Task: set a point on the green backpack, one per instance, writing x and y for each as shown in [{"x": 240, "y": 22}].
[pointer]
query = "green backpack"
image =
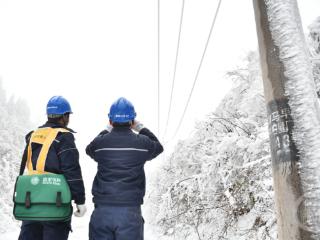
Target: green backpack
[{"x": 42, "y": 196}]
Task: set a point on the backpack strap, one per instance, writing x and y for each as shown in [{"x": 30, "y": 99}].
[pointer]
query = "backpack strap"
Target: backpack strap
[{"x": 45, "y": 137}]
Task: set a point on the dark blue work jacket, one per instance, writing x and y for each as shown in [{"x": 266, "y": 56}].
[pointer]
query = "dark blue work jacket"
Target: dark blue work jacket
[
  {"x": 121, "y": 155},
  {"x": 62, "y": 158}
]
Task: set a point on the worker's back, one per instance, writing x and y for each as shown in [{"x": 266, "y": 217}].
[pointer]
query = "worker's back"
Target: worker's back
[
  {"x": 121, "y": 155},
  {"x": 119, "y": 186}
]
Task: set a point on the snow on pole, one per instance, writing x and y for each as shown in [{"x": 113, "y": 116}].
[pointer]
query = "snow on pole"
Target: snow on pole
[{"x": 294, "y": 118}]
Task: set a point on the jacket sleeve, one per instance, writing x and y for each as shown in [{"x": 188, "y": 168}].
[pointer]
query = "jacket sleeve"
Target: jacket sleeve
[
  {"x": 25, "y": 153},
  {"x": 92, "y": 146},
  {"x": 90, "y": 149},
  {"x": 151, "y": 143},
  {"x": 69, "y": 164}
]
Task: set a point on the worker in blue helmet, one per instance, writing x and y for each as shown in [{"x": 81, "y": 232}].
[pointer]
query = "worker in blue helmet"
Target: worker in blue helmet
[
  {"x": 118, "y": 189},
  {"x": 62, "y": 158}
]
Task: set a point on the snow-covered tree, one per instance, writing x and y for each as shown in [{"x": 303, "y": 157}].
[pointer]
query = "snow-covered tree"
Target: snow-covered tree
[
  {"x": 315, "y": 35},
  {"x": 314, "y": 40},
  {"x": 218, "y": 184},
  {"x": 14, "y": 122}
]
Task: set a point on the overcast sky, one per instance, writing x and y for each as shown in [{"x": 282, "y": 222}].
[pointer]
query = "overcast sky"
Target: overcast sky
[{"x": 93, "y": 52}]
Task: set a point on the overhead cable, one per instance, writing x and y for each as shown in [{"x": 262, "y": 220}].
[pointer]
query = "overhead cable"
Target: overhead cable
[
  {"x": 175, "y": 69},
  {"x": 198, "y": 71}
]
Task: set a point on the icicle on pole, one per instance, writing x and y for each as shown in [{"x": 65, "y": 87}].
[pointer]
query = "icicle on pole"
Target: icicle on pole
[{"x": 294, "y": 118}]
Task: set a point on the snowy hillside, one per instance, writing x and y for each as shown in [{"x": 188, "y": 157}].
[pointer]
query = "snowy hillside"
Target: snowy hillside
[{"x": 14, "y": 122}]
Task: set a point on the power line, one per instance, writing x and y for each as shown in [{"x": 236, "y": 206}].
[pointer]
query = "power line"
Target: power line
[
  {"x": 175, "y": 69},
  {"x": 198, "y": 71}
]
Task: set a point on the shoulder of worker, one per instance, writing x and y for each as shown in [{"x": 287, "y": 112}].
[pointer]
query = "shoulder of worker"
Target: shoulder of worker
[
  {"x": 103, "y": 132},
  {"x": 28, "y": 136},
  {"x": 68, "y": 135},
  {"x": 101, "y": 135},
  {"x": 143, "y": 135}
]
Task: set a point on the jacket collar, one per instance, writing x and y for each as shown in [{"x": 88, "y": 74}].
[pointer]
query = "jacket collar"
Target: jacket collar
[
  {"x": 121, "y": 129},
  {"x": 55, "y": 125}
]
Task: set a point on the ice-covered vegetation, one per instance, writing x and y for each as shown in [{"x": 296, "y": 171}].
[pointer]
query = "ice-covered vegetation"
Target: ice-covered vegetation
[
  {"x": 218, "y": 183},
  {"x": 14, "y": 122},
  {"x": 314, "y": 40}
]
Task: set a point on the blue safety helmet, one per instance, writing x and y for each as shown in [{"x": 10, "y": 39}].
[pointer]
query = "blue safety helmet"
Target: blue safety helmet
[
  {"x": 122, "y": 111},
  {"x": 58, "y": 105}
]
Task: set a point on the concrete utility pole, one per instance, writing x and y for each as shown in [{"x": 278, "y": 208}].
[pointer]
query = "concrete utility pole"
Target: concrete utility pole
[{"x": 293, "y": 115}]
